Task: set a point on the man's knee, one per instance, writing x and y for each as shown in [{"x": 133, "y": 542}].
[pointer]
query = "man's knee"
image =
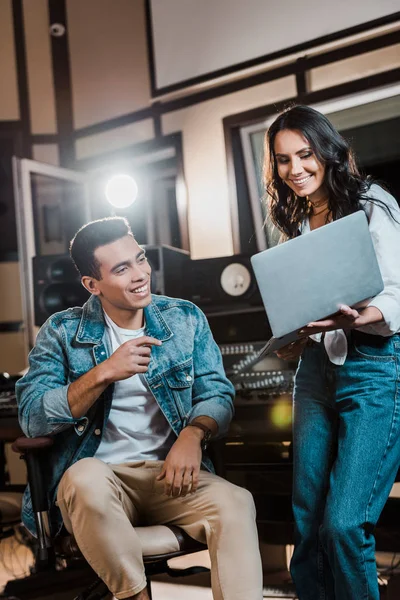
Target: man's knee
[
  {"x": 232, "y": 502},
  {"x": 242, "y": 500},
  {"x": 89, "y": 480}
]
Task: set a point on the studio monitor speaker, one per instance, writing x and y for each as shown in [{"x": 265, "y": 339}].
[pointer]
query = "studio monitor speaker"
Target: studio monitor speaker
[
  {"x": 57, "y": 284},
  {"x": 169, "y": 267},
  {"x": 225, "y": 283}
]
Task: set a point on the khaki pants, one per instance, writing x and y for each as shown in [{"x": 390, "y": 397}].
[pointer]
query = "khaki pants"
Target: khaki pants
[{"x": 100, "y": 503}]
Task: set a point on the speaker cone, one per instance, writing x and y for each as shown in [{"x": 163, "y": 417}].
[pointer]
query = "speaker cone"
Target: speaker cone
[{"x": 60, "y": 296}]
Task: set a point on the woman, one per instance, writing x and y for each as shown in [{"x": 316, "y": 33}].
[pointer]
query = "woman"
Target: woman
[{"x": 346, "y": 405}]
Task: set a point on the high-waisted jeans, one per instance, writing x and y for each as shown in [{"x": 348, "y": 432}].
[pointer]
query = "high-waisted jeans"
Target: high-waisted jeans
[{"x": 346, "y": 456}]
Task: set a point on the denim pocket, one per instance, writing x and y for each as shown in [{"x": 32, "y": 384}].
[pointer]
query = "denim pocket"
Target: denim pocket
[
  {"x": 180, "y": 383},
  {"x": 181, "y": 376},
  {"x": 373, "y": 347}
]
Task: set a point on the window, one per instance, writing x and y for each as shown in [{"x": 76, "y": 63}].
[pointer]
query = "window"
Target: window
[{"x": 371, "y": 123}]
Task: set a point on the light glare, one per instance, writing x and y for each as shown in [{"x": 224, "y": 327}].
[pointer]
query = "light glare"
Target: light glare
[{"x": 121, "y": 190}]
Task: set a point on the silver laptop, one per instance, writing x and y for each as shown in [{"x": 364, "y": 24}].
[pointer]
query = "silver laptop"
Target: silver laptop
[{"x": 309, "y": 277}]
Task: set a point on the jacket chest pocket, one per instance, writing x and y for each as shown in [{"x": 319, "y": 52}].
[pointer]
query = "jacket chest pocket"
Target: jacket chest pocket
[{"x": 180, "y": 384}]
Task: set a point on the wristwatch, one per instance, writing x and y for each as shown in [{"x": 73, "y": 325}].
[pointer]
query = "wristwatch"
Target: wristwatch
[{"x": 207, "y": 433}]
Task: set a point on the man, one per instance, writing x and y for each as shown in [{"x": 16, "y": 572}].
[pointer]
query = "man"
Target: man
[{"x": 130, "y": 386}]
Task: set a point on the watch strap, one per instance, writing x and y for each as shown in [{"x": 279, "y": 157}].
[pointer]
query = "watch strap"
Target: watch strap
[{"x": 207, "y": 433}]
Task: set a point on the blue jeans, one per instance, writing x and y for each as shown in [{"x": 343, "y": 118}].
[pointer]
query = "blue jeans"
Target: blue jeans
[{"x": 346, "y": 456}]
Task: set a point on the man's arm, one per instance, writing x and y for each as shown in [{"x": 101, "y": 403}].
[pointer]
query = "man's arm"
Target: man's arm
[
  {"x": 131, "y": 358},
  {"x": 212, "y": 391},
  {"x": 212, "y": 407},
  {"x": 47, "y": 403},
  {"x": 42, "y": 393}
]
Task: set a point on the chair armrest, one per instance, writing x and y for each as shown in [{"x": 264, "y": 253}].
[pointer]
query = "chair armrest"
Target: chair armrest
[
  {"x": 22, "y": 444},
  {"x": 32, "y": 450}
]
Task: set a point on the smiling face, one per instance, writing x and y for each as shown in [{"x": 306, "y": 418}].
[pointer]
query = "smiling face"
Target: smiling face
[
  {"x": 124, "y": 287},
  {"x": 298, "y": 166}
]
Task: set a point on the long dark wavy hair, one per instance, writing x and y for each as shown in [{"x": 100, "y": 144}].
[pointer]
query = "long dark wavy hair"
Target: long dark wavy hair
[{"x": 345, "y": 185}]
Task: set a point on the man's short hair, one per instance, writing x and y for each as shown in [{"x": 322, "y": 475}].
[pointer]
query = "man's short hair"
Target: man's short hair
[{"x": 90, "y": 237}]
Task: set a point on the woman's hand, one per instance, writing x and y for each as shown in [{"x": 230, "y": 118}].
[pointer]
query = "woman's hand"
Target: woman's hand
[
  {"x": 348, "y": 318},
  {"x": 292, "y": 351}
]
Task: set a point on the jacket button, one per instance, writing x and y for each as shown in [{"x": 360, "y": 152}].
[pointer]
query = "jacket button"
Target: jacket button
[
  {"x": 188, "y": 378},
  {"x": 97, "y": 431},
  {"x": 81, "y": 427}
]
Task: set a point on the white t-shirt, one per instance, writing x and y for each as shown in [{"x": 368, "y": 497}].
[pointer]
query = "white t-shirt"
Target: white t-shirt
[{"x": 136, "y": 428}]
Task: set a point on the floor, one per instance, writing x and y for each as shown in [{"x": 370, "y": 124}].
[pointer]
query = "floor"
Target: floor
[{"x": 16, "y": 558}]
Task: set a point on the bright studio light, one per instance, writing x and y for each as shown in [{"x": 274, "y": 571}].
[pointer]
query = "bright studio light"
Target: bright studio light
[{"x": 121, "y": 191}]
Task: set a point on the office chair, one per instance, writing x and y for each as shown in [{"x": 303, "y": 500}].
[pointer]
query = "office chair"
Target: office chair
[{"x": 160, "y": 543}]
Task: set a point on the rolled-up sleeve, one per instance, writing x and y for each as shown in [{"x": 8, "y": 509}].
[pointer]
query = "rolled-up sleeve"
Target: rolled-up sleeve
[
  {"x": 385, "y": 233},
  {"x": 42, "y": 393},
  {"x": 213, "y": 393}
]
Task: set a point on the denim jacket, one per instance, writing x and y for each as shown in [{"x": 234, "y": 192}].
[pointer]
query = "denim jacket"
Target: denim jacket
[{"x": 185, "y": 375}]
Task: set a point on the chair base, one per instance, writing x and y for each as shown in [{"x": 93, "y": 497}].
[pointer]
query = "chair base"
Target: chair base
[
  {"x": 79, "y": 576},
  {"x": 96, "y": 591},
  {"x": 99, "y": 591}
]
